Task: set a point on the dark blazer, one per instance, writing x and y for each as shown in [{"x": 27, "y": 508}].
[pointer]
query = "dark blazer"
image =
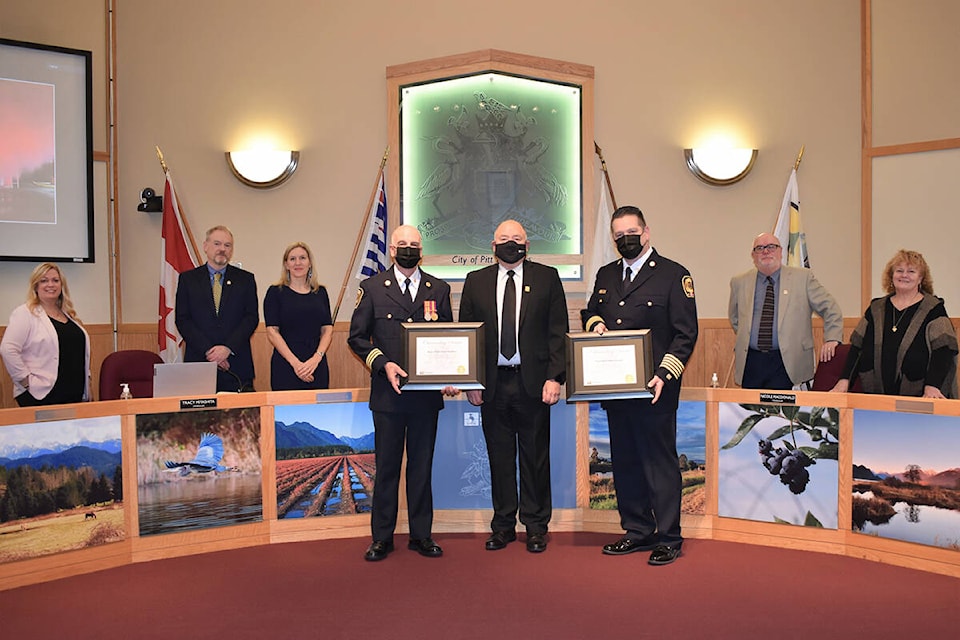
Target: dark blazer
[
  {"x": 543, "y": 324},
  {"x": 660, "y": 298},
  {"x": 201, "y": 327},
  {"x": 375, "y": 334}
]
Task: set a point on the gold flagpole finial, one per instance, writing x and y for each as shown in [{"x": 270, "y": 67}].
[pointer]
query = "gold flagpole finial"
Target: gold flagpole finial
[
  {"x": 163, "y": 165},
  {"x": 796, "y": 165}
]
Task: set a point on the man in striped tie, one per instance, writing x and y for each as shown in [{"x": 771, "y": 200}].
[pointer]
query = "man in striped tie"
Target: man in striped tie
[{"x": 771, "y": 308}]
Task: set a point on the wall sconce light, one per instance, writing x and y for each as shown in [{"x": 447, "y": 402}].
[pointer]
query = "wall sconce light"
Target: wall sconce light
[
  {"x": 720, "y": 166},
  {"x": 150, "y": 202},
  {"x": 262, "y": 168}
]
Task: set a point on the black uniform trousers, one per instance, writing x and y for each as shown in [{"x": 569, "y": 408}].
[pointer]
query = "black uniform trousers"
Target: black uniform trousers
[
  {"x": 514, "y": 422},
  {"x": 419, "y": 431},
  {"x": 646, "y": 470}
]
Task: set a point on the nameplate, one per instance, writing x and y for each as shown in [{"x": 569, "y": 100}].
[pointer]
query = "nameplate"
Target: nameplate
[
  {"x": 914, "y": 406},
  {"x": 326, "y": 397},
  {"x": 779, "y": 398},
  {"x": 46, "y": 415},
  {"x": 198, "y": 403}
]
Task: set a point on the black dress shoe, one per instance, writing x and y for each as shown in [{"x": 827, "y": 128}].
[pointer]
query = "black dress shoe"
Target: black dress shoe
[
  {"x": 500, "y": 539},
  {"x": 378, "y": 550},
  {"x": 625, "y": 545},
  {"x": 425, "y": 547},
  {"x": 536, "y": 542},
  {"x": 664, "y": 555}
]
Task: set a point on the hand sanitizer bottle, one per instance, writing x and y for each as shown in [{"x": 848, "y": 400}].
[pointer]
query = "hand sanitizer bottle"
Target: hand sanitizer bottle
[
  {"x": 714, "y": 381},
  {"x": 125, "y": 391}
]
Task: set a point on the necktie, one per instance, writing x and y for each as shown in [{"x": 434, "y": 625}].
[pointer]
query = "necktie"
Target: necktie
[
  {"x": 765, "y": 333},
  {"x": 627, "y": 277},
  {"x": 217, "y": 291},
  {"x": 508, "y": 318},
  {"x": 407, "y": 291}
]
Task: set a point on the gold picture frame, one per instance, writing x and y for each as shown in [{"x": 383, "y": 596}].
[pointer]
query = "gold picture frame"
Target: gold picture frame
[
  {"x": 441, "y": 354},
  {"x": 614, "y": 366}
]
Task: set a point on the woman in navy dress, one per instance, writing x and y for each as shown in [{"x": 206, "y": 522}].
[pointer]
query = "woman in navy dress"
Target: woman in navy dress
[{"x": 296, "y": 311}]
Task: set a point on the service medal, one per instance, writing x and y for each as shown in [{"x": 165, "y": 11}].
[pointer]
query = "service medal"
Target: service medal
[{"x": 430, "y": 310}]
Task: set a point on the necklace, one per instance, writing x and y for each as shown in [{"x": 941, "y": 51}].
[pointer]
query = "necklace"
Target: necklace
[{"x": 896, "y": 320}]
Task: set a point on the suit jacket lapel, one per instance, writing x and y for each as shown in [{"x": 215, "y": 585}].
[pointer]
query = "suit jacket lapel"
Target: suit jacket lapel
[
  {"x": 641, "y": 276},
  {"x": 225, "y": 286},
  {"x": 786, "y": 285},
  {"x": 395, "y": 292},
  {"x": 526, "y": 292}
]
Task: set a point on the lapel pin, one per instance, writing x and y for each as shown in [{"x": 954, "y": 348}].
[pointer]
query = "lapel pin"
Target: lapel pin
[
  {"x": 387, "y": 283},
  {"x": 526, "y": 288}
]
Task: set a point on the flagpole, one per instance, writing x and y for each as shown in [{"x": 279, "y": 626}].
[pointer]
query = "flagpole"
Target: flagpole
[
  {"x": 183, "y": 217},
  {"x": 796, "y": 165},
  {"x": 363, "y": 227},
  {"x": 606, "y": 174}
]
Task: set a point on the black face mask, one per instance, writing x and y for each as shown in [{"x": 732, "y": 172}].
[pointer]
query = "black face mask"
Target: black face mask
[
  {"x": 510, "y": 252},
  {"x": 629, "y": 246},
  {"x": 407, "y": 257}
]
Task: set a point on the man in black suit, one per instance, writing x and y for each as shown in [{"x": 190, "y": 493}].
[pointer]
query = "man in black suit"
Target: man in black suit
[
  {"x": 217, "y": 312},
  {"x": 402, "y": 293},
  {"x": 644, "y": 290},
  {"x": 524, "y": 312}
]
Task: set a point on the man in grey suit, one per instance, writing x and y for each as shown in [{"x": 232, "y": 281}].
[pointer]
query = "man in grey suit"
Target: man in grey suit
[{"x": 775, "y": 350}]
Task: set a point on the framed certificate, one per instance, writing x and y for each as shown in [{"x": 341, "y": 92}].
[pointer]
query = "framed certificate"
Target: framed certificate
[
  {"x": 614, "y": 366},
  {"x": 440, "y": 354}
]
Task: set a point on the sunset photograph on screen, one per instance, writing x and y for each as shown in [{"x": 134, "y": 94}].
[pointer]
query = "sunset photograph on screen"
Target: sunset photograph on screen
[{"x": 27, "y": 152}]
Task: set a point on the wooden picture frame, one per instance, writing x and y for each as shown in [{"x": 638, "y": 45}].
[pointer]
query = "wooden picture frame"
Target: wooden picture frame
[
  {"x": 441, "y": 354},
  {"x": 614, "y": 366}
]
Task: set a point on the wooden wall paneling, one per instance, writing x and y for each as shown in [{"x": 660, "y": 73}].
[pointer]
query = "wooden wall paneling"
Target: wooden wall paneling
[
  {"x": 268, "y": 462},
  {"x": 582, "y": 449}
]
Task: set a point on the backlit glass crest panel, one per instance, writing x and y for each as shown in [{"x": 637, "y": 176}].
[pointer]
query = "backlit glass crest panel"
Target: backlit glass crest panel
[{"x": 480, "y": 149}]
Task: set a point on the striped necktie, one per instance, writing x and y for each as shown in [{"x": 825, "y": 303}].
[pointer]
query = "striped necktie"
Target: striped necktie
[{"x": 765, "y": 333}]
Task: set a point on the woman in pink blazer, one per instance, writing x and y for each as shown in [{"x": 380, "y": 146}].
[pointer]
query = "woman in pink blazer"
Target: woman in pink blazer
[{"x": 45, "y": 348}]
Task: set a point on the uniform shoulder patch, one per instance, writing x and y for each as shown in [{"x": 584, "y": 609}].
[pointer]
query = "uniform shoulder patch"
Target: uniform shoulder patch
[
  {"x": 359, "y": 297},
  {"x": 688, "y": 286}
]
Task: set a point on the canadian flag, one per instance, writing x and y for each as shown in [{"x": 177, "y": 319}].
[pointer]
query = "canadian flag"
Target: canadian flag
[{"x": 176, "y": 257}]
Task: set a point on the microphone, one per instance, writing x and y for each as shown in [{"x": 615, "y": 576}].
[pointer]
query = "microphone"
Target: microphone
[{"x": 241, "y": 387}]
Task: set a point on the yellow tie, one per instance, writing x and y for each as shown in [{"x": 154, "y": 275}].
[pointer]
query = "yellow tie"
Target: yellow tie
[{"x": 217, "y": 291}]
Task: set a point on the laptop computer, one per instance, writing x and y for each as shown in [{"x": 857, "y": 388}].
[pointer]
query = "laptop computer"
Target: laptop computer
[{"x": 185, "y": 379}]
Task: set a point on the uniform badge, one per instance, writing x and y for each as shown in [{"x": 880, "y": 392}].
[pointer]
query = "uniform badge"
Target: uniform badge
[
  {"x": 359, "y": 297},
  {"x": 430, "y": 310},
  {"x": 688, "y": 286}
]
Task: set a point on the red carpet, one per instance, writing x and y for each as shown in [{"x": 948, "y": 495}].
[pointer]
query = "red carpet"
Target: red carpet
[{"x": 325, "y": 589}]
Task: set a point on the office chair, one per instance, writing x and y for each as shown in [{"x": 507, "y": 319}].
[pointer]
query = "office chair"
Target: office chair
[{"x": 134, "y": 367}]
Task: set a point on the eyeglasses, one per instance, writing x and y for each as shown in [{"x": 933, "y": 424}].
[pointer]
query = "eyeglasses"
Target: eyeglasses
[{"x": 763, "y": 248}]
